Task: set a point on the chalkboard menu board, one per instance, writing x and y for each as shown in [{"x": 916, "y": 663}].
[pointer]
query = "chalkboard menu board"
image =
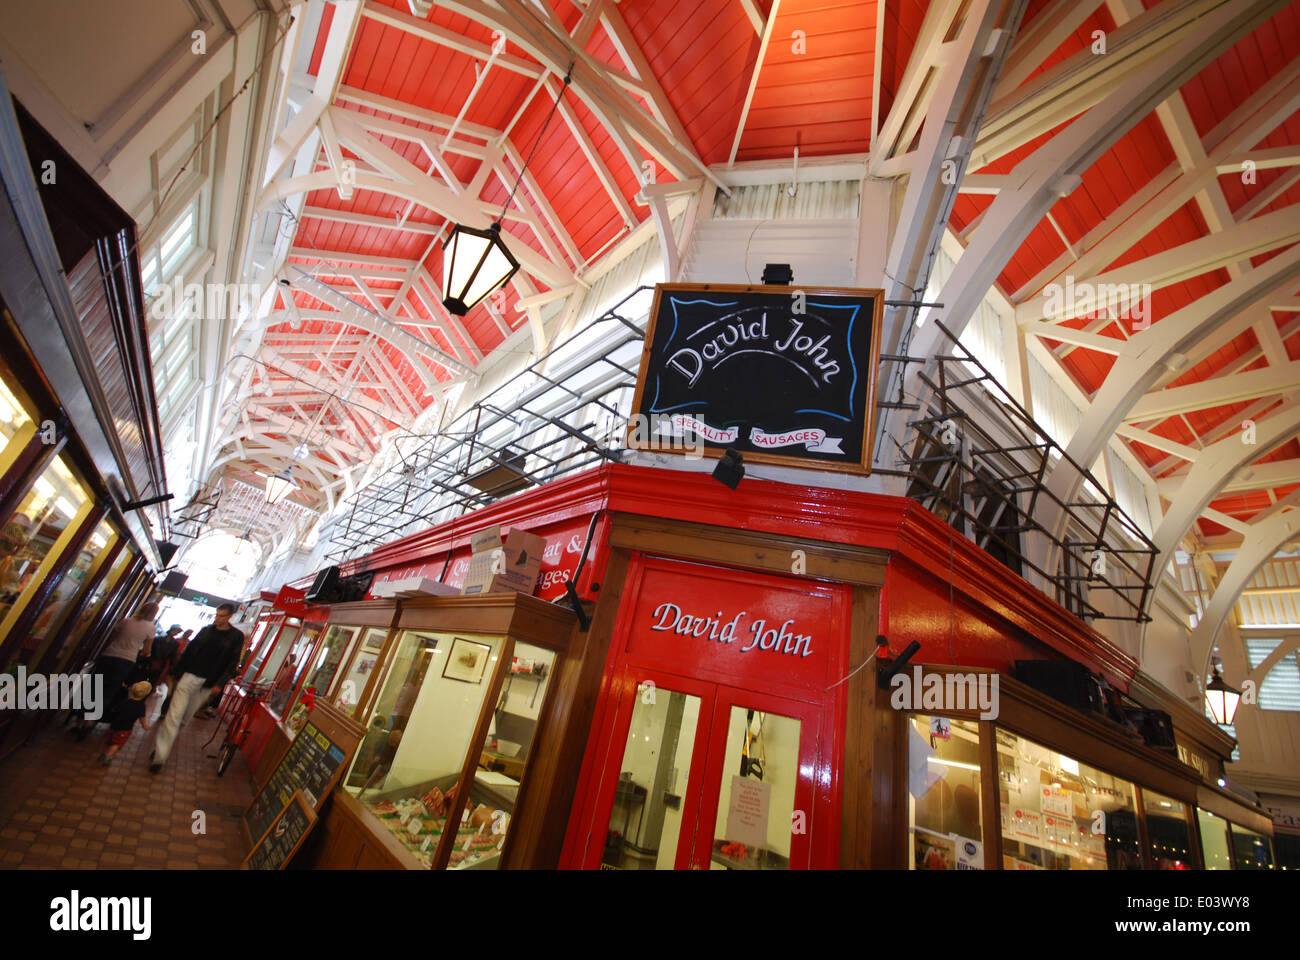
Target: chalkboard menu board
[
  {"x": 283, "y": 835},
  {"x": 780, "y": 374},
  {"x": 312, "y": 764}
]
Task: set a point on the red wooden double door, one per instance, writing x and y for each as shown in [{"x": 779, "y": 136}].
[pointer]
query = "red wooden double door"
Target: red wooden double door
[{"x": 716, "y": 733}]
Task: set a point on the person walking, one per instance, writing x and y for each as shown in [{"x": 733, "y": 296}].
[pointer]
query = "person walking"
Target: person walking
[
  {"x": 166, "y": 651},
  {"x": 130, "y": 638},
  {"x": 207, "y": 663},
  {"x": 124, "y": 718}
]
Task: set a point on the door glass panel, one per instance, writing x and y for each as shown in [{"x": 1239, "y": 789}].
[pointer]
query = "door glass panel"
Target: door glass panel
[
  {"x": 322, "y": 673},
  {"x": 295, "y": 664},
  {"x": 646, "y": 820},
  {"x": 1251, "y": 848},
  {"x": 943, "y": 798},
  {"x": 756, "y": 796},
  {"x": 281, "y": 649},
  {"x": 1214, "y": 841},
  {"x": 1171, "y": 842},
  {"x": 363, "y": 661},
  {"x": 504, "y": 753}
]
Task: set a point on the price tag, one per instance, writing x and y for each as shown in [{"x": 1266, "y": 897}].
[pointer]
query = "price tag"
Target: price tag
[
  {"x": 424, "y": 847},
  {"x": 468, "y": 841},
  {"x": 414, "y": 827}
]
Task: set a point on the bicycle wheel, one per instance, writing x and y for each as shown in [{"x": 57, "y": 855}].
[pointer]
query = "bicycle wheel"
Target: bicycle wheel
[{"x": 227, "y": 754}]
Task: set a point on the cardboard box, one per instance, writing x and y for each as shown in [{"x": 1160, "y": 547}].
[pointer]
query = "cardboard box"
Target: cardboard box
[
  {"x": 412, "y": 587},
  {"x": 496, "y": 566}
]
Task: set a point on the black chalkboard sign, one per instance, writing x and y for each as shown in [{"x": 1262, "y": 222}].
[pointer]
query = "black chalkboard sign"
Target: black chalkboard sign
[
  {"x": 781, "y": 374},
  {"x": 283, "y": 837},
  {"x": 310, "y": 765}
]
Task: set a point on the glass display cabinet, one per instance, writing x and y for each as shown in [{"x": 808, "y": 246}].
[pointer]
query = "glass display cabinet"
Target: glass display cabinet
[
  {"x": 293, "y": 667},
  {"x": 455, "y": 705}
]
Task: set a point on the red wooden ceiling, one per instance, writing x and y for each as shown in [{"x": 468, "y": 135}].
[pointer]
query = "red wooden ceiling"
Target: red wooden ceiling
[{"x": 815, "y": 92}]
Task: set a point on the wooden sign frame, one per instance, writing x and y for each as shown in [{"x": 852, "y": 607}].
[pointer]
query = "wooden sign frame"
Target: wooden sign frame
[
  {"x": 872, "y": 370},
  {"x": 296, "y": 800},
  {"x": 341, "y": 730}
]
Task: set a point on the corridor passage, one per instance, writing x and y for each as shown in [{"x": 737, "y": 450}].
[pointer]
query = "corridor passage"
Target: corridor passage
[{"x": 61, "y": 809}]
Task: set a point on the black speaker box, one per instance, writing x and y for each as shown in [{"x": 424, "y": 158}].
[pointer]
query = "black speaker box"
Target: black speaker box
[
  {"x": 1071, "y": 683},
  {"x": 1157, "y": 729},
  {"x": 323, "y": 585}
]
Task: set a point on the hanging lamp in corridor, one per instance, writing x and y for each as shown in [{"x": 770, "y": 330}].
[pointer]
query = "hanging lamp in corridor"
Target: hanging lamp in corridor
[{"x": 476, "y": 262}]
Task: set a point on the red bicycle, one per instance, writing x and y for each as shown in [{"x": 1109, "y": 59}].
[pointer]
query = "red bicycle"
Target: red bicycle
[{"x": 237, "y": 708}]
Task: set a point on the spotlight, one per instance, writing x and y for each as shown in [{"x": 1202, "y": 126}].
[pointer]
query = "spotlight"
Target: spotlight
[{"x": 730, "y": 469}]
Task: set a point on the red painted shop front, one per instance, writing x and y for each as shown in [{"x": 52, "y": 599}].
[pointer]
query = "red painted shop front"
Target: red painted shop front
[{"x": 716, "y": 731}]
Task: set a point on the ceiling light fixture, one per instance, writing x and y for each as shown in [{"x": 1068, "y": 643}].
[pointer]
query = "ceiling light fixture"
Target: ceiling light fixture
[
  {"x": 1221, "y": 699},
  {"x": 280, "y": 485},
  {"x": 476, "y": 262}
]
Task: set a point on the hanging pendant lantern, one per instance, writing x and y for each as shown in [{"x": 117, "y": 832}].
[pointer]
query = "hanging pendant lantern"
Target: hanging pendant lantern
[
  {"x": 474, "y": 263},
  {"x": 280, "y": 485},
  {"x": 1221, "y": 699}
]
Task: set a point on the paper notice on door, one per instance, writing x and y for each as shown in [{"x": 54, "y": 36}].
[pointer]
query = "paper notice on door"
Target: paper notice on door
[{"x": 747, "y": 814}]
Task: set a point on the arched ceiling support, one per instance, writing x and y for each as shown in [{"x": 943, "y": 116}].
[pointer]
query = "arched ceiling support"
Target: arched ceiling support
[
  {"x": 1157, "y": 353},
  {"x": 1055, "y": 169},
  {"x": 1211, "y": 472},
  {"x": 1175, "y": 187},
  {"x": 1026, "y": 111},
  {"x": 342, "y": 28},
  {"x": 1265, "y": 539},
  {"x": 953, "y": 111},
  {"x": 592, "y": 82}
]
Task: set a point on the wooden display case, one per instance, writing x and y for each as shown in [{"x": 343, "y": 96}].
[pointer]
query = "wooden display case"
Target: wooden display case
[{"x": 442, "y": 656}]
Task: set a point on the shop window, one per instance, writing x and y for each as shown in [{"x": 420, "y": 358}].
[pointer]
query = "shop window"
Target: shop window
[
  {"x": 944, "y": 826},
  {"x": 275, "y": 655},
  {"x": 1171, "y": 842},
  {"x": 1059, "y": 814},
  {"x": 52, "y": 615},
  {"x": 1251, "y": 850},
  {"x": 503, "y": 754},
  {"x": 363, "y": 662},
  {"x": 1214, "y": 841},
  {"x": 1287, "y": 848},
  {"x": 321, "y": 674},
  {"x": 418, "y": 734},
  {"x": 293, "y": 667},
  {"x": 13, "y": 416},
  {"x": 91, "y": 611},
  {"x": 641, "y": 834},
  {"x": 44, "y": 513}
]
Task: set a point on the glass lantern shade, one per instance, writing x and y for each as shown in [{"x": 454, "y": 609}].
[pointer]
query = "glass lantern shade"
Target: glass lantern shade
[
  {"x": 474, "y": 263},
  {"x": 280, "y": 486},
  {"x": 1221, "y": 700}
]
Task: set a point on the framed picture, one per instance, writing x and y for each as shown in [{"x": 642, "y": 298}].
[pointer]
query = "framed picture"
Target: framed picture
[
  {"x": 467, "y": 661},
  {"x": 374, "y": 640}
]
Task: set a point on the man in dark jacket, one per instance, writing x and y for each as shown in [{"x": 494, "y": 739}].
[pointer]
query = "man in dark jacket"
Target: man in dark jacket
[{"x": 207, "y": 663}]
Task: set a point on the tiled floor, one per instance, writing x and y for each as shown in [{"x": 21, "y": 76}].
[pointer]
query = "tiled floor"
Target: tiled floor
[{"x": 59, "y": 808}]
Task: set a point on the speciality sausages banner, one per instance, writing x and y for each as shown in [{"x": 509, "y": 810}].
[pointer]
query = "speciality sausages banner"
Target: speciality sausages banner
[{"x": 781, "y": 374}]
